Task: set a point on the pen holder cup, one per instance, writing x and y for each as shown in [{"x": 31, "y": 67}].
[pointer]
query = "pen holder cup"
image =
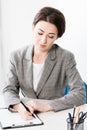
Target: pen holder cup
[{"x": 74, "y": 126}]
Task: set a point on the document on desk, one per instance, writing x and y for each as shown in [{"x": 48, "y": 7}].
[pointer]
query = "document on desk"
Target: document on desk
[{"x": 13, "y": 120}]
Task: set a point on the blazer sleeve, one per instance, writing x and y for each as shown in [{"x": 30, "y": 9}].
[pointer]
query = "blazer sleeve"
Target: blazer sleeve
[
  {"x": 77, "y": 94},
  {"x": 11, "y": 89}
]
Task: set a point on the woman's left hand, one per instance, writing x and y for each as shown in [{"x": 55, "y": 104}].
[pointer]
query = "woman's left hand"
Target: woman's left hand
[{"x": 39, "y": 106}]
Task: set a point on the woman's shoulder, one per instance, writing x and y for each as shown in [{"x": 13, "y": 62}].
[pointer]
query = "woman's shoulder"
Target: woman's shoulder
[
  {"x": 22, "y": 51},
  {"x": 62, "y": 50},
  {"x": 63, "y": 53}
]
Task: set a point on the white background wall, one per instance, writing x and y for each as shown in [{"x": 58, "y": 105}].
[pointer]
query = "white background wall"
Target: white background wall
[
  {"x": 1, "y": 71},
  {"x": 17, "y": 17}
]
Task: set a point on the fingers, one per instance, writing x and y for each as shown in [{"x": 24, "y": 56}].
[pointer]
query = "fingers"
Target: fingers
[
  {"x": 24, "y": 113},
  {"x": 31, "y": 109},
  {"x": 32, "y": 105}
]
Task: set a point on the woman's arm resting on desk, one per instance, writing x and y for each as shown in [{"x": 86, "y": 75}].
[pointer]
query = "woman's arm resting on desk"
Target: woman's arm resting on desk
[{"x": 39, "y": 106}]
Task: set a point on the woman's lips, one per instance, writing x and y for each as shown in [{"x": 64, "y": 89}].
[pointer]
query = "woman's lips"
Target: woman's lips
[{"x": 42, "y": 46}]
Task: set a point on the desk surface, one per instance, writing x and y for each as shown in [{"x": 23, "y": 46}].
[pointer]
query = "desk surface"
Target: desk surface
[{"x": 54, "y": 120}]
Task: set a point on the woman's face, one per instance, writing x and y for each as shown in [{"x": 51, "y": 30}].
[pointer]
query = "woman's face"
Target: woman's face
[{"x": 44, "y": 36}]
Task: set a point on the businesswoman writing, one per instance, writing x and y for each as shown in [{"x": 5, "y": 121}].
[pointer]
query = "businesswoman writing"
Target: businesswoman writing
[{"x": 42, "y": 70}]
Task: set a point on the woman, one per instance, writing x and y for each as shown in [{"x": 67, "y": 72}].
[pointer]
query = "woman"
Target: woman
[{"x": 43, "y": 69}]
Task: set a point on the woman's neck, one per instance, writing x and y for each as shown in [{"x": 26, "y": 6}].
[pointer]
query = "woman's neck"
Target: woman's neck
[{"x": 39, "y": 57}]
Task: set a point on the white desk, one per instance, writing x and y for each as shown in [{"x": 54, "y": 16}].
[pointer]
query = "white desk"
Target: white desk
[{"x": 54, "y": 120}]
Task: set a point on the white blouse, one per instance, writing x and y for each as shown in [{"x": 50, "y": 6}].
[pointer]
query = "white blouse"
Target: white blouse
[{"x": 37, "y": 72}]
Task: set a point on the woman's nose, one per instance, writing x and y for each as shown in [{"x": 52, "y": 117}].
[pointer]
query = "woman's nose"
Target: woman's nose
[{"x": 44, "y": 39}]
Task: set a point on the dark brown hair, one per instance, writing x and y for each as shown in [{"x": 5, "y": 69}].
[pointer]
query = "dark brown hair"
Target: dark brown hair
[{"x": 52, "y": 15}]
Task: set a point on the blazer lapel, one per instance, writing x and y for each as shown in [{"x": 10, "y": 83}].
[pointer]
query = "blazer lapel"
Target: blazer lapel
[
  {"x": 49, "y": 64},
  {"x": 28, "y": 68},
  {"x": 28, "y": 72}
]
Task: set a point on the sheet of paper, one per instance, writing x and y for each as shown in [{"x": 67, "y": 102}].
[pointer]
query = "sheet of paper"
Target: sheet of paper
[{"x": 13, "y": 119}]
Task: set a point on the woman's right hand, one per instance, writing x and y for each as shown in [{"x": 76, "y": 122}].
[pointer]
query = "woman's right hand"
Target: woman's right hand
[{"x": 22, "y": 111}]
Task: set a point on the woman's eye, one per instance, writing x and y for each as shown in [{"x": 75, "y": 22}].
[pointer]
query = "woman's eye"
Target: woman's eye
[
  {"x": 51, "y": 37},
  {"x": 40, "y": 33}
]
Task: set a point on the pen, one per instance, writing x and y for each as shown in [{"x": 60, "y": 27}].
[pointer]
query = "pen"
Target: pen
[
  {"x": 76, "y": 116},
  {"x": 71, "y": 121},
  {"x": 27, "y": 108},
  {"x": 74, "y": 111},
  {"x": 70, "y": 117},
  {"x": 82, "y": 116}
]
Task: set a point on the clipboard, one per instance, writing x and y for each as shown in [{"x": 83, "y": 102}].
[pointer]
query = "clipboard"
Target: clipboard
[{"x": 13, "y": 120}]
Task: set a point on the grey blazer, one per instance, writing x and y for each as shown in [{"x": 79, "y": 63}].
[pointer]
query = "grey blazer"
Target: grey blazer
[{"x": 59, "y": 71}]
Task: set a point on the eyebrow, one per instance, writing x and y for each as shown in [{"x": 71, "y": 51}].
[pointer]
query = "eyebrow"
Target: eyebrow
[{"x": 49, "y": 33}]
